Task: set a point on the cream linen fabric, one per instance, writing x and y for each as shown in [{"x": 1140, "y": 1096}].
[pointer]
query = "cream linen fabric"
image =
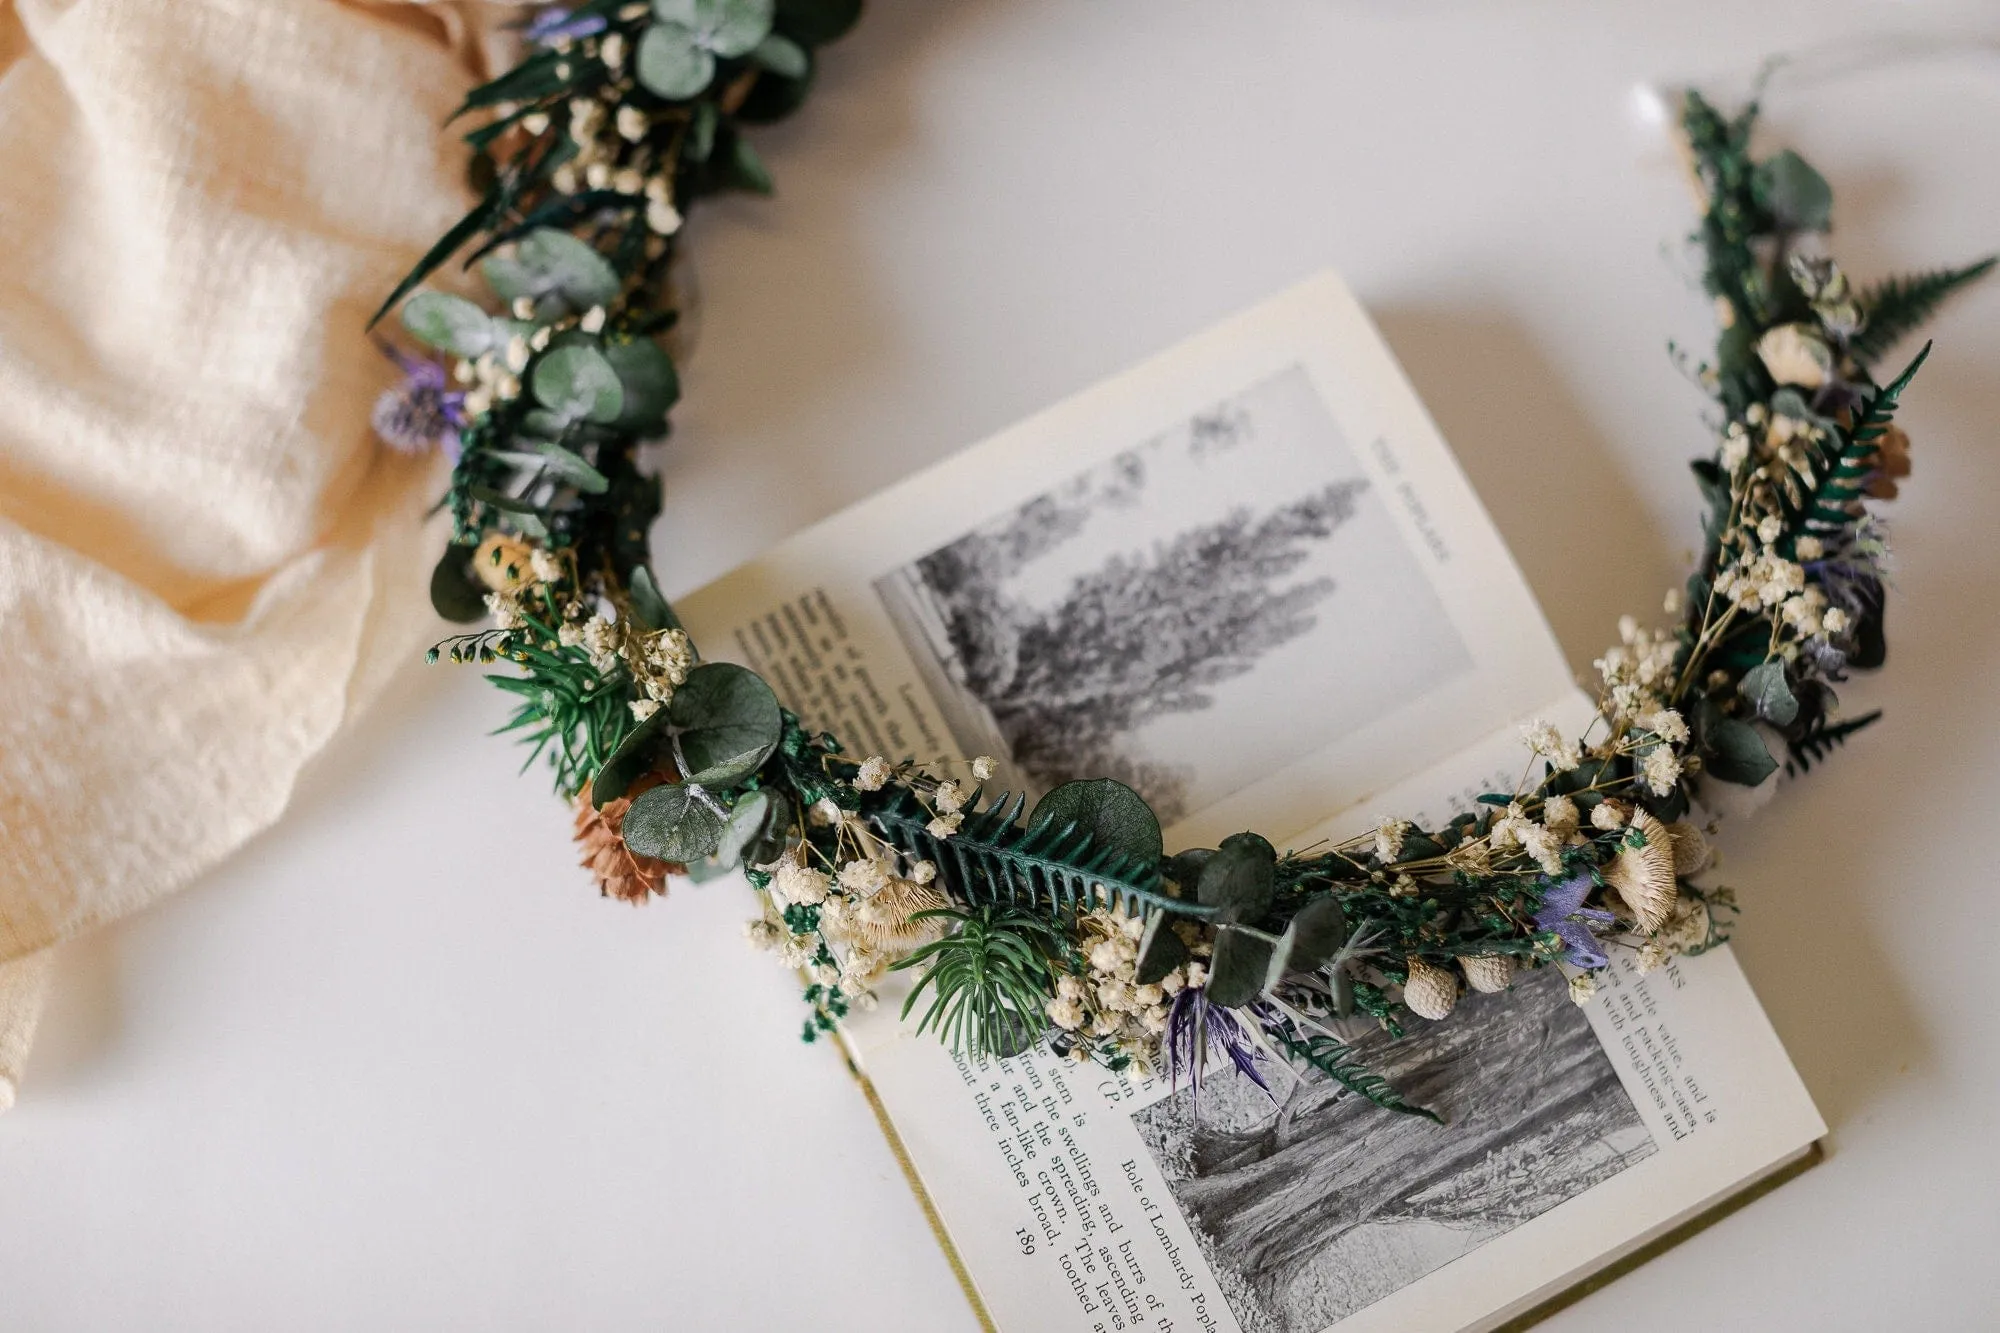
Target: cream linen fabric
[{"x": 207, "y": 564}]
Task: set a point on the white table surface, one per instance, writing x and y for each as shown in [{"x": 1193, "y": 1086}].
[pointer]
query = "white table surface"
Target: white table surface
[{"x": 397, "y": 1067}]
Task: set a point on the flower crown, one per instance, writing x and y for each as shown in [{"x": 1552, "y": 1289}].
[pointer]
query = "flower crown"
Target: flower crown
[{"x": 1067, "y": 923}]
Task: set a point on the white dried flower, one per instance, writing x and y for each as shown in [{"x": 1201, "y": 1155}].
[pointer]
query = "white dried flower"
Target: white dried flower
[
  {"x": 950, "y": 797},
  {"x": 1662, "y": 770},
  {"x": 539, "y": 339},
  {"x": 1542, "y": 844},
  {"x": 1582, "y": 987},
  {"x": 506, "y": 610},
  {"x": 824, "y": 812},
  {"x": 874, "y": 774},
  {"x": 1651, "y": 957},
  {"x": 944, "y": 825},
  {"x": 1672, "y": 602},
  {"x": 627, "y": 180},
  {"x": 546, "y": 566},
  {"x": 1607, "y": 816},
  {"x": 983, "y": 768},
  {"x": 1546, "y": 740},
  {"x": 865, "y": 875},
  {"x": 1065, "y": 1014},
  {"x": 923, "y": 872},
  {"x": 1770, "y": 528},
  {"x": 564, "y": 178},
  {"x": 597, "y": 175},
  {"x": 1105, "y": 956},
  {"x": 1197, "y": 974},
  {"x": 798, "y": 950},
  {"x": 536, "y": 123},
  {"x": 1835, "y": 621},
  {"x": 1795, "y": 354},
  {"x": 631, "y": 124},
  {"x": 1666, "y": 723},
  {"x": 593, "y": 320},
  {"x": 1560, "y": 815},
  {"x": 643, "y": 708},
  {"x": 1735, "y": 451},
  {"x": 1809, "y": 548},
  {"x": 612, "y": 52},
  {"x": 792, "y": 881},
  {"x": 763, "y": 934},
  {"x": 1389, "y": 835},
  {"x": 663, "y": 217},
  {"x": 517, "y": 354}
]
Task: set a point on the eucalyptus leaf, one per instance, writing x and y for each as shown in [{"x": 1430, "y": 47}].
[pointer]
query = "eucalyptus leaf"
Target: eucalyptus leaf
[
  {"x": 1797, "y": 194},
  {"x": 1241, "y": 878},
  {"x": 1764, "y": 686},
  {"x": 1737, "y": 753},
  {"x": 745, "y": 823},
  {"x": 668, "y": 62},
  {"x": 578, "y": 383},
  {"x": 1238, "y": 967},
  {"x": 1116, "y": 817},
  {"x": 649, "y": 609},
  {"x": 646, "y": 374},
  {"x": 570, "y": 469},
  {"x": 747, "y": 170},
  {"x": 456, "y": 592},
  {"x": 450, "y": 324},
  {"x": 1161, "y": 950},
  {"x": 729, "y": 723},
  {"x": 729, "y": 28},
  {"x": 782, "y": 56},
  {"x": 673, "y": 822},
  {"x": 551, "y": 263},
  {"x": 1314, "y": 935},
  {"x": 638, "y": 754}
]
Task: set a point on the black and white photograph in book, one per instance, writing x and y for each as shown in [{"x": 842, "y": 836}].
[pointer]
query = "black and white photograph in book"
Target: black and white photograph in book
[
  {"x": 1188, "y": 616},
  {"x": 1309, "y": 1204}
]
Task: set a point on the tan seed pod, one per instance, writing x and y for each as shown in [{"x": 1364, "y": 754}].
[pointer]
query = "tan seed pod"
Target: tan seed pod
[
  {"x": 1644, "y": 876},
  {"x": 882, "y": 922},
  {"x": 1488, "y": 973},
  {"x": 501, "y": 562},
  {"x": 1430, "y": 992},
  {"x": 1692, "y": 853}
]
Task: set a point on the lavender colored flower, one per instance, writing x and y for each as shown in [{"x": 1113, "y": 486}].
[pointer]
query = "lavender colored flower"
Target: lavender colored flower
[
  {"x": 421, "y": 413},
  {"x": 553, "y": 24},
  {"x": 1564, "y": 913},
  {"x": 1193, "y": 1025}
]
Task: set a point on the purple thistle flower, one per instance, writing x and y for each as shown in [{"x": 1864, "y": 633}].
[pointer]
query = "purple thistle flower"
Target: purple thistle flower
[
  {"x": 421, "y": 413},
  {"x": 554, "y": 23},
  {"x": 1564, "y": 913},
  {"x": 1192, "y": 1025}
]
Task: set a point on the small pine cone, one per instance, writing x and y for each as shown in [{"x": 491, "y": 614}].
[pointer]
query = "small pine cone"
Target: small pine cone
[
  {"x": 621, "y": 873},
  {"x": 1430, "y": 992},
  {"x": 1488, "y": 973}
]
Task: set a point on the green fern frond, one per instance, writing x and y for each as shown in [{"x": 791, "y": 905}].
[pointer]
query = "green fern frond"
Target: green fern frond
[
  {"x": 1338, "y": 1061},
  {"x": 1897, "y": 307},
  {"x": 1821, "y": 741},
  {"x": 1835, "y": 501},
  {"x": 993, "y": 860},
  {"x": 988, "y": 980}
]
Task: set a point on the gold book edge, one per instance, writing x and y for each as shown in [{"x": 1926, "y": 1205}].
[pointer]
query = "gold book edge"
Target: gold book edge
[{"x": 1598, "y": 1279}]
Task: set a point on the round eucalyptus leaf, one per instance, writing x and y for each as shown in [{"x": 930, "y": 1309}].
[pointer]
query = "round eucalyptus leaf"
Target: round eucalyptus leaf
[
  {"x": 1313, "y": 937},
  {"x": 1116, "y": 817},
  {"x": 1241, "y": 878},
  {"x": 1764, "y": 686},
  {"x": 509, "y": 278},
  {"x": 542, "y": 423},
  {"x": 571, "y": 470},
  {"x": 745, "y": 823},
  {"x": 729, "y": 723},
  {"x": 560, "y": 263},
  {"x": 1161, "y": 950},
  {"x": 651, "y": 386},
  {"x": 672, "y": 822},
  {"x": 1238, "y": 967},
  {"x": 456, "y": 591},
  {"x": 782, "y": 56},
  {"x": 729, "y": 28},
  {"x": 449, "y": 323},
  {"x": 578, "y": 383},
  {"x": 1737, "y": 753},
  {"x": 669, "y": 64},
  {"x": 1792, "y": 189},
  {"x": 638, "y": 754}
]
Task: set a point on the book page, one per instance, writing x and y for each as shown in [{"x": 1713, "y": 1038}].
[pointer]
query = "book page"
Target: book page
[{"x": 1249, "y": 580}]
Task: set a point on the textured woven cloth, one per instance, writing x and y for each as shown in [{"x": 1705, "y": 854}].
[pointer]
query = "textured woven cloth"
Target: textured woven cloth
[{"x": 207, "y": 564}]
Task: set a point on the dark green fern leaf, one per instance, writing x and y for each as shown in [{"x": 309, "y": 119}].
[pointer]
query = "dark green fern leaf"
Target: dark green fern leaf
[
  {"x": 1821, "y": 741},
  {"x": 992, "y": 859},
  {"x": 1338, "y": 1061},
  {"x": 1897, "y": 307},
  {"x": 1835, "y": 501}
]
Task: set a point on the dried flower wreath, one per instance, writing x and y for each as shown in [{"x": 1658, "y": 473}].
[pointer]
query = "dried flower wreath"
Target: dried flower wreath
[{"x": 1067, "y": 922}]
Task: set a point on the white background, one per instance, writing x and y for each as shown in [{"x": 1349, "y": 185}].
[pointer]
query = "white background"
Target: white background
[{"x": 397, "y": 1067}]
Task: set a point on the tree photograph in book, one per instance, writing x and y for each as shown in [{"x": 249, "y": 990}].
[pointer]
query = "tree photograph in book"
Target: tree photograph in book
[
  {"x": 1239, "y": 566},
  {"x": 1310, "y": 1204}
]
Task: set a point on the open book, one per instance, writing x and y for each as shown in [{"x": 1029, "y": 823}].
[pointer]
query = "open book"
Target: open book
[{"x": 1249, "y": 580}]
